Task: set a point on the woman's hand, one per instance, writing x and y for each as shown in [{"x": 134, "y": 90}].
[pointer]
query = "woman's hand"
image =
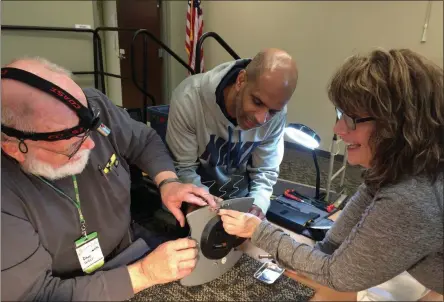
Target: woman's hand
[{"x": 238, "y": 223}]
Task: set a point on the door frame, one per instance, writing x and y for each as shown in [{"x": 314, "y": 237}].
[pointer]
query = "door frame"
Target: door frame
[
  {"x": 106, "y": 13},
  {"x": 165, "y": 37}
]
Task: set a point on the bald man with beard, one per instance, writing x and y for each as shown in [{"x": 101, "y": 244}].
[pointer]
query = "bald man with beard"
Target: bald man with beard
[
  {"x": 62, "y": 211},
  {"x": 225, "y": 126}
]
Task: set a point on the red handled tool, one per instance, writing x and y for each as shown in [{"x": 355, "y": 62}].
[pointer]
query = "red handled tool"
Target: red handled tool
[
  {"x": 288, "y": 194},
  {"x": 330, "y": 208},
  {"x": 292, "y": 194}
]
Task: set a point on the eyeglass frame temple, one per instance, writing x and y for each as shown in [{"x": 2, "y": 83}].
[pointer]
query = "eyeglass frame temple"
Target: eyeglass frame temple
[{"x": 88, "y": 134}]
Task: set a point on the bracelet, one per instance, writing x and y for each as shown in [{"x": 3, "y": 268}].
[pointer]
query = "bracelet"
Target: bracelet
[{"x": 167, "y": 181}]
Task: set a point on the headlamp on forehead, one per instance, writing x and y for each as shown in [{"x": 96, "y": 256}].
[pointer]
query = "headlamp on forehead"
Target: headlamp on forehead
[{"x": 89, "y": 120}]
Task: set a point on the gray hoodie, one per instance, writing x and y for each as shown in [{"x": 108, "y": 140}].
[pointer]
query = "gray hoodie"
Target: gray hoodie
[{"x": 211, "y": 151}]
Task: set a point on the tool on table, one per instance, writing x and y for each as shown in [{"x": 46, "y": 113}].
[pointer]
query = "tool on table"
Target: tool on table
[
  {"x": 269, "y": 272},
  {"x": 294, "y": 195},
  {"x": 266, "y": 256}
]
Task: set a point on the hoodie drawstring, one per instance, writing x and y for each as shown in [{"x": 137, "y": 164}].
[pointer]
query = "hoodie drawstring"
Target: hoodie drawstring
[
  {"x": 230, "y": 133},
  {"x": 238, "y": 149}
]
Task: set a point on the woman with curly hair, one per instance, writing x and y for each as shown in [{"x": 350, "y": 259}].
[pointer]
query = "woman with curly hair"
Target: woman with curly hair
[{"x": 390, "y": 109}]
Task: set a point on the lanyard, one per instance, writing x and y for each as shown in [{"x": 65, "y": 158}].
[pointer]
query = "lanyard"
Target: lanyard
[{"x": 75, "y": 202}]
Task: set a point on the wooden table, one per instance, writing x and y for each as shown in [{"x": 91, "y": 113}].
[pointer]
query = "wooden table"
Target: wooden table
[{"x": 323, "y": 293}]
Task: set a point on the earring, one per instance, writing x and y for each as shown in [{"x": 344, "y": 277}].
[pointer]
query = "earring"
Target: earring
[{"x": 22, "y": 146}]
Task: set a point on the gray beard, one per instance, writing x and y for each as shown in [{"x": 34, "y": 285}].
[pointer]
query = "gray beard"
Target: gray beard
[{"x": 34, "y": 166}]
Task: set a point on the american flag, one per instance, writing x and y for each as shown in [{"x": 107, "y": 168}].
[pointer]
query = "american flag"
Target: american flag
[{"x": 194, "y": 32}]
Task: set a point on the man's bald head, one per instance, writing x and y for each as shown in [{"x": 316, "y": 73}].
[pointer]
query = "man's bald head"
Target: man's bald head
[
  {"x": 263, "y": 88},
  {"x": 29, "y": 109},
  {"x": 276, "y": 64}
]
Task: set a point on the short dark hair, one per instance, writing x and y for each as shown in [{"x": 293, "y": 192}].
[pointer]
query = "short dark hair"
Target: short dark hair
[{"x": 403, "y": 91}]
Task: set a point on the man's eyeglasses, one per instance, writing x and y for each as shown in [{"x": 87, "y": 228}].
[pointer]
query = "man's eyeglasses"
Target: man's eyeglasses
[
  {"x": 71, "y": 150},
  {"x": 351, "y": 121},
  {"x": 74, "y": 148}
]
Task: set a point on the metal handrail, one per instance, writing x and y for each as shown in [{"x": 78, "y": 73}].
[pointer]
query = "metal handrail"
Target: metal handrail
[
  {"x": 96, "y": 39},
  {"x": 99, "y": 46},
  {"x": 98, "y": 53},
  {"x": 149, "y": 35},
  {"x": 219, "y": 40},
  {"x": 164, "y": 46},
  {"x": 125, "y": 29}
]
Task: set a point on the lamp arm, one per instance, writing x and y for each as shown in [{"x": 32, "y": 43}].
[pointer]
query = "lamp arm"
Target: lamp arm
[{"x": 318, "y": 174}]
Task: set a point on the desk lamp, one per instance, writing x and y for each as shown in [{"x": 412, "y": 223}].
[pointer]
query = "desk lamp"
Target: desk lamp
[{"x": 306, "y": 137}]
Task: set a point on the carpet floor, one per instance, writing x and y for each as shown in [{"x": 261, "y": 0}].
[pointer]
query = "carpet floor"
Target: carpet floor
[
  {"x": 298, "y": 166},
  {"x": 238, "y": 284}
]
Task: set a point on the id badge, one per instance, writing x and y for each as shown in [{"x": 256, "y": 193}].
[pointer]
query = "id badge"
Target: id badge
[{"x": 89, "y": 253}]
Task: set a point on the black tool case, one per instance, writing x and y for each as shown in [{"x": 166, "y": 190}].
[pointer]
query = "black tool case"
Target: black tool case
[{"x": 301, "y": 218}]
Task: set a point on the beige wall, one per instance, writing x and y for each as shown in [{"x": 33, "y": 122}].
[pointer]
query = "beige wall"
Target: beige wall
[
  {"x": 174, "y": 36},
  {"x": 320, "y": 35},
  {"x": 110, "y": 41},
  {"x": 72, "y": 50}
]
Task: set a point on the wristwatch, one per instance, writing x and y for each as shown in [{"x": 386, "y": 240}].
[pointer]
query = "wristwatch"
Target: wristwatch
[{"x": 167, "y": 181}]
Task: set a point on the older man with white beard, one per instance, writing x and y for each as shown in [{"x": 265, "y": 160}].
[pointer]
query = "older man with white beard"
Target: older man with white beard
[{"x": 66, "y": 192}]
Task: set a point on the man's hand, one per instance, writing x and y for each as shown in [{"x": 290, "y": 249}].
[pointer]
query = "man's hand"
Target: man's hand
[
  {"x": 256, "y": 211},
  {"x": 174, "y": 193},
  {"x": 192, "y": 207},
  {"x": 238, "y": 223},
  {"x": 170, "y": 261}
]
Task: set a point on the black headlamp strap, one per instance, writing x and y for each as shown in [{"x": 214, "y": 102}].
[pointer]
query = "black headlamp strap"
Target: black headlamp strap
[
  {"x": 47, "y": 136},
  {"x": 85, "y": 115},
  {"x": 88, "y": 119}
]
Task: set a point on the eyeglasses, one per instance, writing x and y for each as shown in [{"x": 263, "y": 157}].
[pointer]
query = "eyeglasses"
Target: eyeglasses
[
  {"x": 72, "y": 149},
  {"x": 351, "y": 121}
]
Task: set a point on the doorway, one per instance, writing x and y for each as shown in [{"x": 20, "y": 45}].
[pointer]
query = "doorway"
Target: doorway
[{"x": 138, "y": 14}]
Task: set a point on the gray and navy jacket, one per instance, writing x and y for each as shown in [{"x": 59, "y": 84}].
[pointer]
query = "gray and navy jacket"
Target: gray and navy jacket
[{"x": 209, "y": 148}]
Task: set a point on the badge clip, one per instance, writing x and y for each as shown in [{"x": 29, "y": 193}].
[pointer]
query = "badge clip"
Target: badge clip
[{"x": 104, "y": 130}]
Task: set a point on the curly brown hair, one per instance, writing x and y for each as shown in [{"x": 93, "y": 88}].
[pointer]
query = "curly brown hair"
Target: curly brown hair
[{"x": 403, "y": 91}]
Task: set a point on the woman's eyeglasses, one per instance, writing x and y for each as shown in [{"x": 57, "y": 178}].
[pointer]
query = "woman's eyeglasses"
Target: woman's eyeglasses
[{"x": 351, "y": 121}]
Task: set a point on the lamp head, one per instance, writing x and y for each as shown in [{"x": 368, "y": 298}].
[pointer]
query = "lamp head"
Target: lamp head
[{"x": 302, "y": 135}]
